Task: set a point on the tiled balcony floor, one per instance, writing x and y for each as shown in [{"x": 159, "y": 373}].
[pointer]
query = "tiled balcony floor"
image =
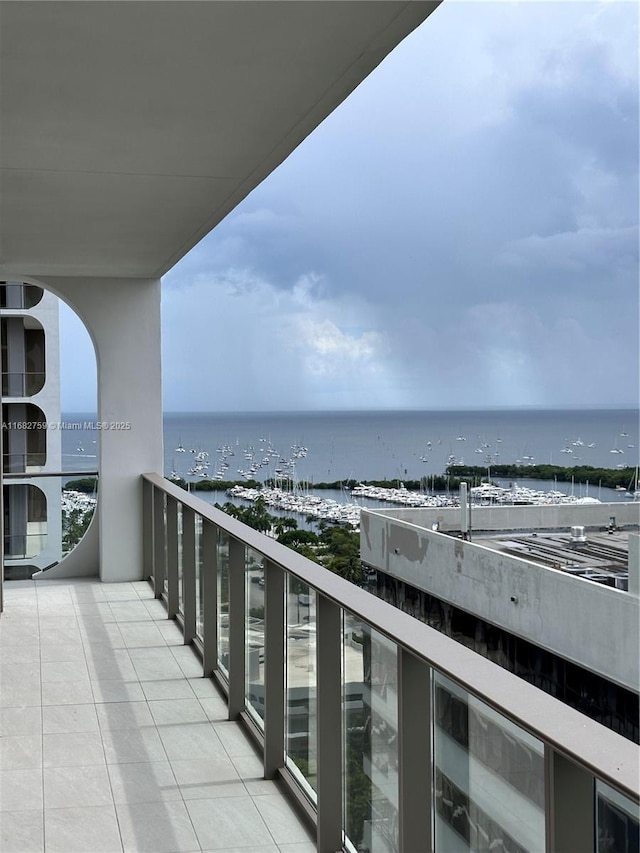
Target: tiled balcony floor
[{"x": 110, "y": 740}]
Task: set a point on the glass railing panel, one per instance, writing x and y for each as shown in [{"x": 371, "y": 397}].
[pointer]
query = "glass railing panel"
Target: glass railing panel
[
  {"x": 180, "y": 560},
  {"x": 199, "y": 596},
  {"x": 24, "y": 546},
  {"x": 22, "y": 384},
  {"x": 17, "y": 297},
  {"x": 223, "y": 602},
  {"x": 33, "y": 383},
  {"x": 356, "y": 730},
  {"x": 18, "y": 463},
  {"x": 31, "y": 295},
  {"x": 165, "y": 580},
  {"x": 489, "y": 777},
  {"x": 371, "y": 754},
  {"x": 301, "y": 730},
  {"x": 617, "y": 821},
  {"x": 254, "y": 641}
]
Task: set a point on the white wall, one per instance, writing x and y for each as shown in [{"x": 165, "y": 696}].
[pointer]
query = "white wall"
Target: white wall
[
  {"x": 591, "y": 624},
  {"x": 122, "y": 317},
  {"x": 523, "y": 517}
]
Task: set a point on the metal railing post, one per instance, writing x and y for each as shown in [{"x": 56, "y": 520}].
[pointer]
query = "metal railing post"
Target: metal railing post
[
  {"x": 189, "y": 573},
  {"x": 147, "y": 529},
  {"x": 415, "y": 776},
  {"x": 274, "y": 683},
  {"x": 158, "y": 543},
  {"x": 172, "y": 557},
  {"x": 329, "y": 724},
  {"x": 209, "y": 597},
  {"x": 237, "y": 626}
]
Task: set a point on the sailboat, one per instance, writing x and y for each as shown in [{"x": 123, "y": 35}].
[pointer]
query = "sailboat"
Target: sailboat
[{"x": 633, "y": 491}]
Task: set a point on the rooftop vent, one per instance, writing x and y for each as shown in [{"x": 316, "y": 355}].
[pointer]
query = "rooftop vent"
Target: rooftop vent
[{"x": 578, "y": 536}]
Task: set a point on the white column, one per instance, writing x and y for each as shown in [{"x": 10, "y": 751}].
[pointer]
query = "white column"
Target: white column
[{"x": 122, "y": 317}]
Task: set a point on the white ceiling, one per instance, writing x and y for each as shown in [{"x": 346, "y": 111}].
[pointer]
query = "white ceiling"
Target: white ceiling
[{"x": 129, "y": 129}]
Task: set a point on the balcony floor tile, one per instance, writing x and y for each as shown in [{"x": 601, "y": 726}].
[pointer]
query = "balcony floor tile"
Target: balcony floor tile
[
  {"x": 137, "y": 749},
  {"x": 156, "y": 827},
  {"x": 21, "y": 831},
  {"x": 228, "y": 822}
]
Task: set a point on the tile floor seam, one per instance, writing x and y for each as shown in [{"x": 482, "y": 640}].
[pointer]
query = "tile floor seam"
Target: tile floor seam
[{"x": 42, "y": 820}]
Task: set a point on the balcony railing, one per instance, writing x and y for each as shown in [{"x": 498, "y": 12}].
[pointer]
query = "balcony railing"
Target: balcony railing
[
  {"x": 22, "y": 384},
  {"x": 392, "y": 736},
  {"x": 24, "y": 546},
  {"x": 18, "y": 463}
]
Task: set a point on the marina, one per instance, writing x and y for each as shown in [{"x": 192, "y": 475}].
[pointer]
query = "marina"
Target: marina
[{"x": 317, "y": 507}]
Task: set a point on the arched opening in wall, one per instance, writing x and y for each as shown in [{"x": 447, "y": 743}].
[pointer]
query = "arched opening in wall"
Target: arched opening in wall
[{"x": 49, "y": 440}]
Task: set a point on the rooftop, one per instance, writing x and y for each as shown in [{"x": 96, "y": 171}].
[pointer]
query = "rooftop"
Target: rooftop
[{"x": 602, "y": 556}]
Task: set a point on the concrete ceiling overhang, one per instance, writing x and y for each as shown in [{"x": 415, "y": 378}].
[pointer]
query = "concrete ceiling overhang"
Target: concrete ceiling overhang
[{"x": 129, "y": 129}]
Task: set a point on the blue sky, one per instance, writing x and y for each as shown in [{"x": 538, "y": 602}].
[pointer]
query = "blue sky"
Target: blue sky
[{"x": 462, "y": 231}]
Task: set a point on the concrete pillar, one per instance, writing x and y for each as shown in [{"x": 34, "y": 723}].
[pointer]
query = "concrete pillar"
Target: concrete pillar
[
  {"x": 634, "y": 564},
  {"x": 464, "y": 511},
  {"x": 17, "y": 500},
  {"x": 14, "y": 292},
  {"x": 15, "y": 357},
  {"x": 16, "y": 438},
  {"x": 122, "y": 317}
]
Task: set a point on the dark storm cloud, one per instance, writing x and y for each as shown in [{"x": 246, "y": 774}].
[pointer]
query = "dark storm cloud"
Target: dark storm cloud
[{"x": 471, "y": 208}]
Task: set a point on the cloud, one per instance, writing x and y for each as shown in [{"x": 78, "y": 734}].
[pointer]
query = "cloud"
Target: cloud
[
  {"x": 327, "y": 350},
  {"x": 586, "y": 251},
  {"x": 463, "y": 230},
  {"x": 257, "y": 346}
]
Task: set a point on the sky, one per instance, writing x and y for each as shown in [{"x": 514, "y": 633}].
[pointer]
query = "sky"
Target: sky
[{"x": 462, "y": 232}]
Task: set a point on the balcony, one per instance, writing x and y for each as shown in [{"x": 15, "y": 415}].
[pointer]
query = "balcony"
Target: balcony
[
  {"x": 172, "y": 715},
  {"x": 125, "y": 704},
  {"x": 111, "y": 740}
]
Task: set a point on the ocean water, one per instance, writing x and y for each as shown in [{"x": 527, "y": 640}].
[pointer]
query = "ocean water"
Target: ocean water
[
  {"x": 382, "y": 445},
  {"x": 401, "y": 445}
]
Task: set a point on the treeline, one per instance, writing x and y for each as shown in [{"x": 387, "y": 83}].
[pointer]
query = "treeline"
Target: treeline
[
  {"x": 335, "y": 547},
  {"x": 449, "y": 481},
  {"x": 437, "y": 483},
  {"x": 213, "y": 485},
  {"x": 87, "y": 485},
  {"x": 608, "y": 477}
]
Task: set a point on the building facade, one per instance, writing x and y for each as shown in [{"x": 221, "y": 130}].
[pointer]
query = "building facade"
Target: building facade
[
  {"x": 571, "y": 637},
  {"x": 31, "y": 439}
]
